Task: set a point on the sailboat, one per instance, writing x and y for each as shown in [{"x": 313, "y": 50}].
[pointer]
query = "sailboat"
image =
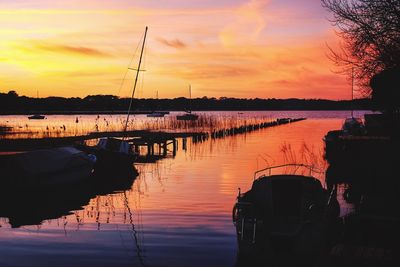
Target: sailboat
[
  {"x": 37, "y": 116},
  {"x": 353, "y": 126},
  {"x": 116, "y": 154},
  {"x": 188, "y": 116},
  {"x": 157, "y": 114}
]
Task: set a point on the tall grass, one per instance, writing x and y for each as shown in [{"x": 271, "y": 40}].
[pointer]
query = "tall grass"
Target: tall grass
[{"x": 81, "y": 125}]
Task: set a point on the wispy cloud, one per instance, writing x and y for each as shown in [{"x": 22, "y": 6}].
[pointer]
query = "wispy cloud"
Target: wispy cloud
[
  {"x": 175, "y": 43},
  {"x": 248, "y": 23},
  {"x": 79, "y": 50}
]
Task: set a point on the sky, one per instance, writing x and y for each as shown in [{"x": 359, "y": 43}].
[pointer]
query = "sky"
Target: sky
[{"x": 224, "y": 48}]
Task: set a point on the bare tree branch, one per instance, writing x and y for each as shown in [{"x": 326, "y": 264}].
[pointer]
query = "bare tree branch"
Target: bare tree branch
[{"x": 370, "y": 34}]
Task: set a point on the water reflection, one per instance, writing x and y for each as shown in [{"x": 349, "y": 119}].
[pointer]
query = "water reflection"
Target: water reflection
[
  {"x": 24, "y": 205},
  {"x": 177, "y": 212},
  {"x": 72, "y": 125}
]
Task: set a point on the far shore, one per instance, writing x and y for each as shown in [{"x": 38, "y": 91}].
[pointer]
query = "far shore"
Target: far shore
[{"x": 142, "y": 112}]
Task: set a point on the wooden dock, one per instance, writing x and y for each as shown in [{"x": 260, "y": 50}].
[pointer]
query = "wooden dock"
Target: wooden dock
[
  {"x": 156, "y": 144},
  {"x": 251, "y": 127}
]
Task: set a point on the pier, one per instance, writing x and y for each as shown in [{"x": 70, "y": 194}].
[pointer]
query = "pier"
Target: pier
[
  {"x": 251, "y": 127},
  {"x": 155, "y": 144}
]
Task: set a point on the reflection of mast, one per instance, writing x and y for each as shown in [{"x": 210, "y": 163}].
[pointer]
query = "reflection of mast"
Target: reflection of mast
[
  {"x": 138, "y": 249},
  {"x": 136, "y": 78},
  {"x": 190, "y": 98}
]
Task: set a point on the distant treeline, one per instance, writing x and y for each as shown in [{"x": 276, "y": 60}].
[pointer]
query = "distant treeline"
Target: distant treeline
[{"x": 12, "y": 103}]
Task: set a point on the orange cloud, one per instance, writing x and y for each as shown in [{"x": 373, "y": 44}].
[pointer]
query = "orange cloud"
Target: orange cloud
[
  {"x": 81, "y": 50},
  {"x": 176, "y": 43}
]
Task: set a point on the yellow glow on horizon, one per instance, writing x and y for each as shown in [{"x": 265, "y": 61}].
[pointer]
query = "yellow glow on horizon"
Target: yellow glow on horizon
[{"x": 229, "y": 51}]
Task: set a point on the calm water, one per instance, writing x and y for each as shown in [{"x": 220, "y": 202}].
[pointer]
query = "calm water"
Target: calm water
[{"x": 177, "y": 212}]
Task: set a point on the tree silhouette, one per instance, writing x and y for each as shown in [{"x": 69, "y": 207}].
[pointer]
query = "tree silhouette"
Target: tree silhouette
[
  {"x": 370, "y": 34},
  {"x": 386, "y": 91}
]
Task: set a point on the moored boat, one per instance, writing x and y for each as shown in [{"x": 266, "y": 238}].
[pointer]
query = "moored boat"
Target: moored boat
[
  {"x": 114, "y": 155},
  {"x": 353, "y": 126},
  {"x": 46, "y": 167},
  {"x": 285, "y": 214}
]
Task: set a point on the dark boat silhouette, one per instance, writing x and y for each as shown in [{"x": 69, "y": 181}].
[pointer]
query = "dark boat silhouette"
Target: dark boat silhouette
[
  {"x": 46, "y": 167},
  {"x": 285, "y": 216},
  {"x": 188, "y": 116},
  {"x": 156, "y": 114},
  {"x": 23, "y": 205},
  {"x": 115, "y": 154},
  {"x": 50, "y": 183},
  {"x": 37, "y": 117}
]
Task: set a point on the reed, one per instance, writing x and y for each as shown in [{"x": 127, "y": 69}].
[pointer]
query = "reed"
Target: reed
[
  {"x": 81, "y": 125},
  {"x": 305, "y": 155}
]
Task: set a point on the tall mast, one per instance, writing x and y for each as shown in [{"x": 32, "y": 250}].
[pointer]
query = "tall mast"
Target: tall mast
[
  {"x": 136, "y": 78},
  {"x": 352, "y": 91}
]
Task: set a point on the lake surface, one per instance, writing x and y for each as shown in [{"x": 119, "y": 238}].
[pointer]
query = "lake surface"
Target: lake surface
[{"x": 178, "y": 210}]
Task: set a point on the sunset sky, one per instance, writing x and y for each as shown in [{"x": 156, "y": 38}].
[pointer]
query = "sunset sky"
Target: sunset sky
[{"x": 233, "y": 48}]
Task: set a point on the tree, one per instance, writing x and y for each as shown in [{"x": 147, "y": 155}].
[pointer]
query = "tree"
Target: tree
[
  {"x": 385, "y": 90},
  {"x": 12, "y": 94},
  {"x": 370, "y": 33}
]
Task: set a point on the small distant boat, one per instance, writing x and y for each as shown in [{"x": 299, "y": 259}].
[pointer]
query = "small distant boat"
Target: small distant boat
[
  {"x": 157, "y": 114},
  {"x": 284, "y": 213},
  {"x": 188, "y": 116},
  {"x": 352, "y": 125},
  {"x": 37, "y": 117},
  {"x": 47, "y": 167}
]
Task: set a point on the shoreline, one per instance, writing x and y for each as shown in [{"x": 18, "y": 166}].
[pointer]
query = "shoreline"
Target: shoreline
[{"x": 142, "y": 112}]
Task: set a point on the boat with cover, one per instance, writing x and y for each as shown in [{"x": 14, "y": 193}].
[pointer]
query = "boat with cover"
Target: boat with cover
[
  {"x": 46, "y": 167},
  {"x": 114, "y": 155},
  {"x": 285, "y": 214},
  {"x": 32, "y": 207}
]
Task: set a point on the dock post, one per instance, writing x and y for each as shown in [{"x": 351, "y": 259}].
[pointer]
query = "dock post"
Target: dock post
[
  {"x": 174, "y": 147},
  {"x": 184, "y": 142},
  {"x": 150, "y": 149},
  {"x": 165, "y": 148}
]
